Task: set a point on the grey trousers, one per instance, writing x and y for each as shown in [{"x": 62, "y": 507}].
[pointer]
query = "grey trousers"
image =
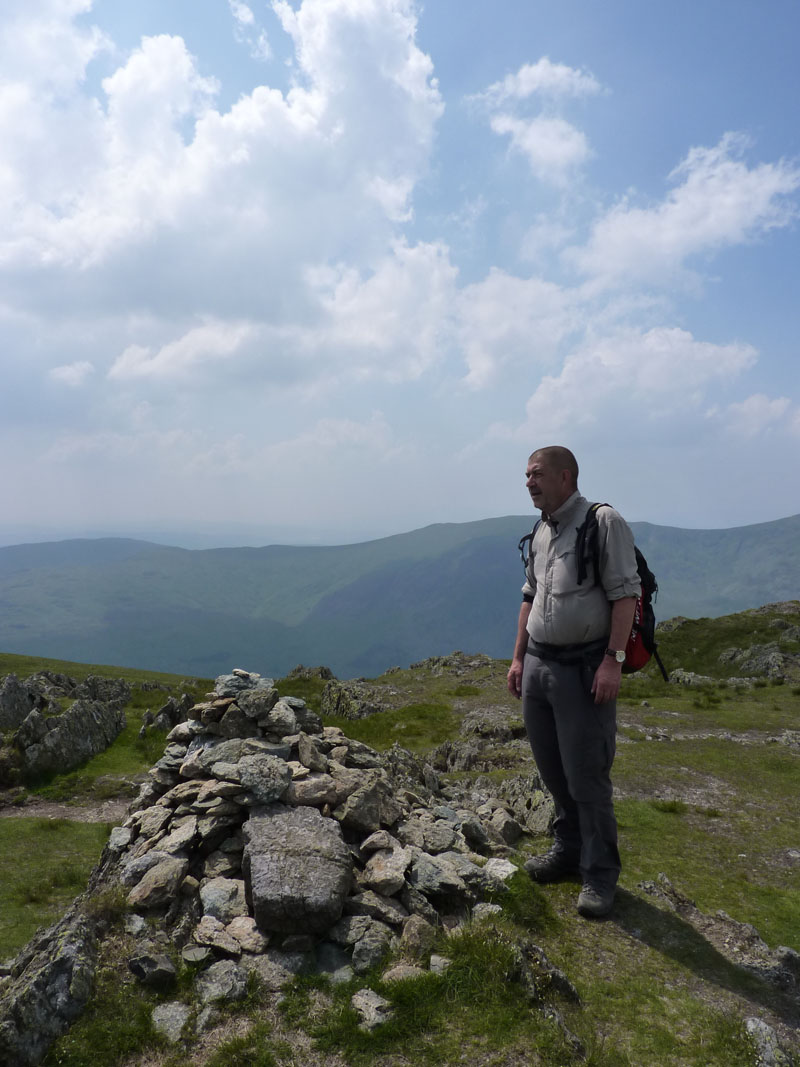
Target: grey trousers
[{"x": 573, "y": 742}]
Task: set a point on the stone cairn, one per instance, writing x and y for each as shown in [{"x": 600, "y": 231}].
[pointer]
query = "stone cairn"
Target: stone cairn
[{"x": 264, "y": 842}]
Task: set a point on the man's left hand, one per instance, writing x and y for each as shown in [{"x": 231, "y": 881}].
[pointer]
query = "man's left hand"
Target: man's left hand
[{"x": 606, "y": 682}]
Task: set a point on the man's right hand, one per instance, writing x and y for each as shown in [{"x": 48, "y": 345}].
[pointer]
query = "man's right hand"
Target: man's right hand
[{"x": 514, "y": 679}]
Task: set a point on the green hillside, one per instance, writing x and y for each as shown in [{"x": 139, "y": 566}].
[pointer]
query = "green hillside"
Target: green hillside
[{"x": 359, "y": 608}]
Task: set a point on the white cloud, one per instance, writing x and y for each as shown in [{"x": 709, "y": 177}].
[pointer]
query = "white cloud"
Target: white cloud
[
  {"x": 553, "y": 147},
  {"x": 212, "y": 343},
  {"x": 248, "y": 32},
  {"x": 632, "y": 377},
  {"x": 719, "y": 202},
  {"x": 392, "y": 324},
  {"x": 755, "y": 415},
  {"x": 513, "y": 323},
  {"x": 72, "y": 374},
  {"x": 545, "y": 78}
]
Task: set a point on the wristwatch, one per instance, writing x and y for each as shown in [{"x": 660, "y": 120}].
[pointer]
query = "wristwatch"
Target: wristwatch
[{"x": 618, "y": 654}]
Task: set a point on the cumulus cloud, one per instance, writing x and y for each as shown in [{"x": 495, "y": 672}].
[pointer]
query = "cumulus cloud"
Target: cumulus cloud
[
  {"x": 632, "y": 375},
  {"x": 508, "y": 322},
  {"x": 248, "y": 32},
  {"x": 72, "y": 374},
  {"x": 545, "y": 78},
  {"x": 553, "y": 147},
  {"x": 755, "y": 415},
  {"x": 211, "y": 343},
  {"x": 718, "y": 201}
]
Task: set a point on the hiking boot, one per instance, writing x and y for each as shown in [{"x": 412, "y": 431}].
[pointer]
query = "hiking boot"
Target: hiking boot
[
  {"x": 551, "y": 867},
  {"x": 594, "y": 902}
]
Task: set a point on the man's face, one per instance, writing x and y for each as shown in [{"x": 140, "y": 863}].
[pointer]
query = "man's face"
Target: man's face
[{"x": 548, "y": 486}]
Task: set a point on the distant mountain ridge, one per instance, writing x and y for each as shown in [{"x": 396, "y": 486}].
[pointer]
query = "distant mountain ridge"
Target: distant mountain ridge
[{"x": 357, "y": 608}]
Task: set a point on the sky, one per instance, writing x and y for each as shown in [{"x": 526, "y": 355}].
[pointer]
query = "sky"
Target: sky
[{"x": 318, "y": 271}]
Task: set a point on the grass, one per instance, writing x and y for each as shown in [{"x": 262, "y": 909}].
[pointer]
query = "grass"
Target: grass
[
  {"x": 418, "y": 727},
  {"x": 716, "y": 816},
  {"x": 45, "y": 864},
  {"x": 116, "y": 1025}
]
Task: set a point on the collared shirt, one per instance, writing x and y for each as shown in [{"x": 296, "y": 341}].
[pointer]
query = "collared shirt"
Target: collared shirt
[{"x": 563, "y": 612}]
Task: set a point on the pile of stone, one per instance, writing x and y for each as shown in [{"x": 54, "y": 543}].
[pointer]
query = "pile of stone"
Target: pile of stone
[
  {"x": 266, "y": 842},
  {"x": 41, "y": 737}
]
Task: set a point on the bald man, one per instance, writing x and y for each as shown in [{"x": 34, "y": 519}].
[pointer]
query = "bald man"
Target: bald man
[{"x": 566, "y": 668}]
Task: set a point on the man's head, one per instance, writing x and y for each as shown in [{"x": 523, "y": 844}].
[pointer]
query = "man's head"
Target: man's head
[{"x": 551, "y": 477}]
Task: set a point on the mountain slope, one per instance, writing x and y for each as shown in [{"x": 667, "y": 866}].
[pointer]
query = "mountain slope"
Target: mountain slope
[{"x": 358, "y": 608}]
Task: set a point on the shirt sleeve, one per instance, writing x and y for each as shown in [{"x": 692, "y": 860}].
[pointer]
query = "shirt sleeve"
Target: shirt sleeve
[{"x": 618, "y": 571}]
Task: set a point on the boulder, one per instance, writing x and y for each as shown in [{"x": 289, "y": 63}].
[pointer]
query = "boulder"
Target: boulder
[{"x": 297, "y": 869}]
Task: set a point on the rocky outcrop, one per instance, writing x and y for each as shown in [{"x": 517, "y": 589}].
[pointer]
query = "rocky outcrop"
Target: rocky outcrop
[
  {"x": 42, "y": 738},
  {"x": 47, "y": 988},
  {"x": 69, "y": 740},
  {"x": 16, "y": 701},
  {"x": 351, "y": 700},
  {"x": 263, "y": 841}
]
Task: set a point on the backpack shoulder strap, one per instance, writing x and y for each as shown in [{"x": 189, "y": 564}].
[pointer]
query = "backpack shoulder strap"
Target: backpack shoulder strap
[
  {"x": 525, "y": 545},
  {"x": 586, "y": 546}
]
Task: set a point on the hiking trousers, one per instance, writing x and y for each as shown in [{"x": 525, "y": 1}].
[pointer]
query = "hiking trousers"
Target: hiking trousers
[{"x": 573, "y": 741}]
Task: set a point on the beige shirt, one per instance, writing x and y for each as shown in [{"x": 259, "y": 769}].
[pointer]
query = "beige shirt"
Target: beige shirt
[{"x": 563, "y": 612}]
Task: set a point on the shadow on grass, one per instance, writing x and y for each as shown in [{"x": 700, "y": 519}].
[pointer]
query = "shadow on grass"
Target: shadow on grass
[{"x": 674, "y": 937}]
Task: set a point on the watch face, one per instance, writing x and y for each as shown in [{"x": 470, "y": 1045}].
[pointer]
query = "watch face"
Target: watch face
[{"x": 619, "y": 656}]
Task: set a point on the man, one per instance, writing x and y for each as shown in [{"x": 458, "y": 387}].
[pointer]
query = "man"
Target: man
[{"x": 566, "y": 668}]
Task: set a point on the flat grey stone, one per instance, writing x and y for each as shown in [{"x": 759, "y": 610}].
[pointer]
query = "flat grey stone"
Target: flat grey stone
[
  {"x": 169, "y": 1019},
  {"x": 297, "y": 869}
]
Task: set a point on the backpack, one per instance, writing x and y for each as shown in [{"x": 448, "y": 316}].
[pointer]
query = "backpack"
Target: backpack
[{"x": 641, "y": 645}]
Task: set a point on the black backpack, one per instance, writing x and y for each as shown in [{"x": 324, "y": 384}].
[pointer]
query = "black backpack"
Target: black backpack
[{"x": 641, "y": 644}]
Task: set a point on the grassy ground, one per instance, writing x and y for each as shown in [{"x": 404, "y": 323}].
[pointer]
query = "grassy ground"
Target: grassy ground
[
  {"x": 703, "y": 796},
  {"x": 45, "y": 864}
]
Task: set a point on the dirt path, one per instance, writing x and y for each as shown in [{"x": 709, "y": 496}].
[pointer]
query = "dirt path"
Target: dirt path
[{"x": 110, "y": 811}]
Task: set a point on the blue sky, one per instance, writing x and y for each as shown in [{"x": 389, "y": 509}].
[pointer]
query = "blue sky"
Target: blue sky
[{"x": 328, "y": 270}]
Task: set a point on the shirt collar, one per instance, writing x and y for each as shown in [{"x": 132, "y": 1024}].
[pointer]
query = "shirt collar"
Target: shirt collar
[{"x": 564, "y": 513}]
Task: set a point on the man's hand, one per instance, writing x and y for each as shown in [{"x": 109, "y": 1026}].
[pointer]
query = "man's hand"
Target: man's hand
[
  {"x": 514, "y": 680},
  {"x": 606, "y": 682}
]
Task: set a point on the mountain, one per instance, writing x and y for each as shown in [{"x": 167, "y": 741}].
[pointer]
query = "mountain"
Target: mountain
[{"x": 357, "y": 608}]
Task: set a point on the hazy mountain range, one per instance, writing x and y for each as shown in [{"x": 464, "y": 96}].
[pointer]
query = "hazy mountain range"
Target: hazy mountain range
[{"x": 356, "y": 608}]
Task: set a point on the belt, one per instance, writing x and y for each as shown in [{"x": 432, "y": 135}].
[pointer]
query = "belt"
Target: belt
[{"x": 567, "y": 654}]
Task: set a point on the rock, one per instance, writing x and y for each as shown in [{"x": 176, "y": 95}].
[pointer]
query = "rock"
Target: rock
[
  {"x": 16, "y": 702},
  {"x": 314, "y": 790},
  {"x": 244, "y": 930},
  {"x": 211, "y": 933},
  {"x": 49, "y": 986},
  {"x": 223, "y": 898},
  {"x": 169, "y": 1019},
  {"x": 372, "y": 1009},
  {"x": 223, "y": 982},
  {"x": 370, "y": 950},
  {"x": 508, "y": 829},
  {"x": 434, "y": 877},
  {"x": 86, "y": 729},
  {"x": 385, "y": 871},
  {"x": 499, "y": 870},
  {"x": 439, "y": 964},
  {"x": 768, "y": 1047},
  {"x": 153, "y": 969},
  {"x": 349, "y": 700},
  {"x": 276, "y": 968},
  {"x": 402, "y": 972},
  {"x": 159, "y": 885},
  {"x": 265, "y": 777},
  {"x": 486, "y": 911},
  {"x": 309, "y": 755},
  {"x": 385, "y": 909},
  {"x": 195, "y": 955},
  {"x": 297, "y": 869},
  {"x": 418, "y": 936}
]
